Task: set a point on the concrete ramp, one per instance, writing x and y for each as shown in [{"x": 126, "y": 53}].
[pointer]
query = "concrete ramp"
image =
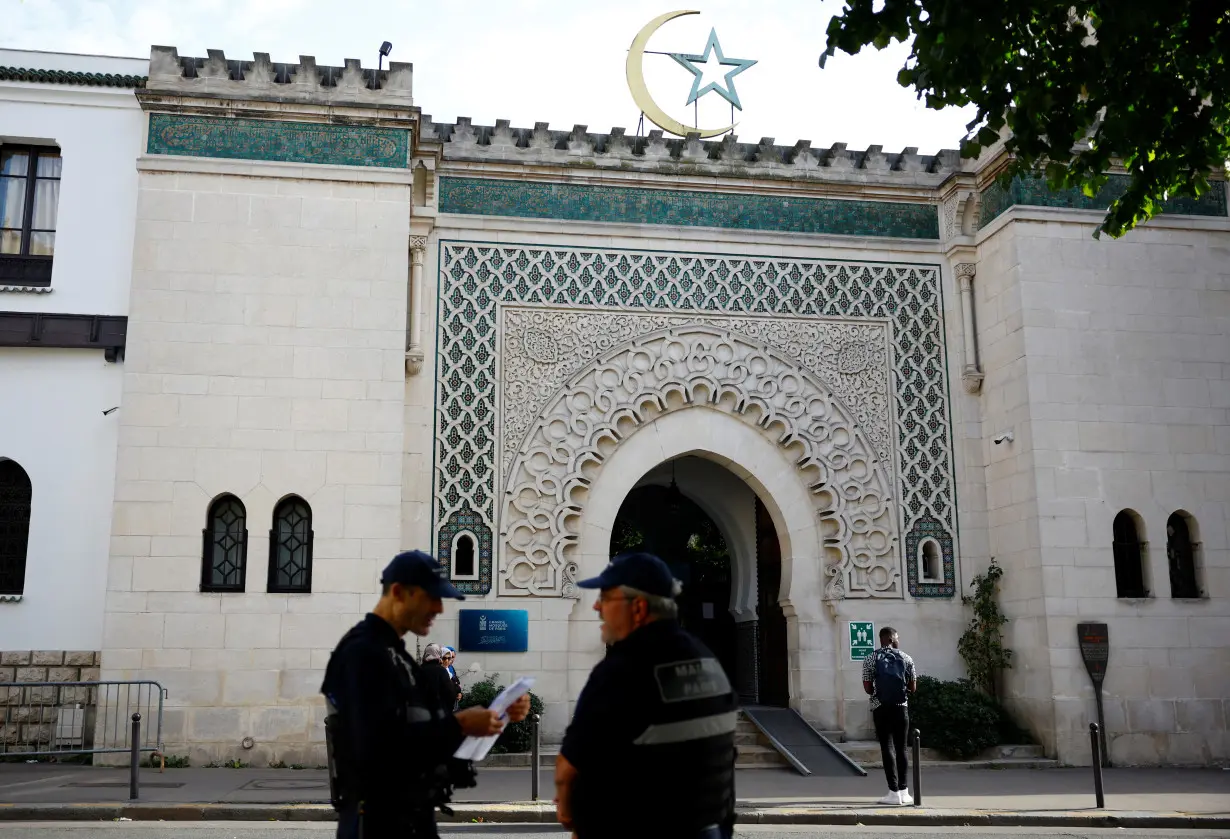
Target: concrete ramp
[{"x": 804, "y": 748}]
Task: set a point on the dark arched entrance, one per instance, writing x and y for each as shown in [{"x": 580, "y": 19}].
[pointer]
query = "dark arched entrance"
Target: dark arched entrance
[{"x": 663, "y": 520}]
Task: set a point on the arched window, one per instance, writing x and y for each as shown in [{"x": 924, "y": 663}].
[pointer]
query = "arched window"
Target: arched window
[
  {"x": 1181, "y": 553},
  {"x": 15, "y": 495},
  {"x": 1129, "y": 557},
  {"x": 930, "y": 565},
  {"x": 225, "y": 559},
  {"x": 465, "y": 564},
  {"x": 290, "y": 547}
]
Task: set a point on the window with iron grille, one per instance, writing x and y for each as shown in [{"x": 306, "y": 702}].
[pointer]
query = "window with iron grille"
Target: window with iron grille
[
  {"x": 29, "y": 204},
  {"x": 15, "y": 495},
  {"x": 1181, "y": 553},
  {"x": 224, "y": 563},
  {"x": 290, "y": 547},
  {"x": 1129, "y": 557}
]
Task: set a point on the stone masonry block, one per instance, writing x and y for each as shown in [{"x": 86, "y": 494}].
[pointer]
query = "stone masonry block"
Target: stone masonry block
[
  {"x": 79, "y": 659},
  {"x": 6, "y": 674},
  {"x": 62, "y": 674},
  {"x": 15, "y": 658},
  {"x": 217, "y": 724},
  {"x": 91, "y": 674},
  {"x": 1151, "y": 715},
  {"x": 1200, "y": 716},
  {"x": 41, "y": 696},
  {"x": 31, "y": 674},
  {"x": 47, "y": 658},
  {"x": 75, "y": 696}
]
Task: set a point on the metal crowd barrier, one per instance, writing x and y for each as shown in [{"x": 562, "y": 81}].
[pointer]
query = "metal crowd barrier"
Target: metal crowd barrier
[{"x": 41, "y": 719}]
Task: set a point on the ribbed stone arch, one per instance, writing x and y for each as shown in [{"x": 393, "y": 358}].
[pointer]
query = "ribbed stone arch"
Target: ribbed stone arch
[{"x": 672, "y": 369}]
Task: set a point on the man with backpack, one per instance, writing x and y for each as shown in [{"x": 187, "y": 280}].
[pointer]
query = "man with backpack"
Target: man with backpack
[{"x": 888, "y": 676}]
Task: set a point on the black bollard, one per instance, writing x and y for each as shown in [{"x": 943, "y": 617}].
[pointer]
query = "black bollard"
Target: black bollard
[
  {"x": 916, "y": 754},
  {"x": 535, "y": 758},
  {"x": 1096, "y": 745},
  {"x": 135, "y": 759}
]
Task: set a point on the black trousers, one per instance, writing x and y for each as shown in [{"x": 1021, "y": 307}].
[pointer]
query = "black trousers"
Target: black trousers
[
  {"x": 385, "y": 823},
  {"x": 892, "y": 723}
]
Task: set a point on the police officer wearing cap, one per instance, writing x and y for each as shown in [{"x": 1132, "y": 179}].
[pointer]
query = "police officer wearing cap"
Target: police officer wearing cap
[
  {"x": 650, "y": 750},
  {"x": 390, "y": 741}
]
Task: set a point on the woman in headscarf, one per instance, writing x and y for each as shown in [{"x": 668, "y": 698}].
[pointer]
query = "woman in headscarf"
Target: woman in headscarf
[
  {"x": 437, "y": 677},
  {"x": 450, "y": 656}
]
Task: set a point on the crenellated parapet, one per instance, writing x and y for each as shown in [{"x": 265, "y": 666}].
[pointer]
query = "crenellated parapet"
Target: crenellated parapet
[
  {"x": 263, "y": 80},
  {"x": 654, "y": 152}
]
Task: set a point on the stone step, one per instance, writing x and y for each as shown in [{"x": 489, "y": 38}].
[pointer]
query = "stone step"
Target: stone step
[{"x": 758, "y": 757}]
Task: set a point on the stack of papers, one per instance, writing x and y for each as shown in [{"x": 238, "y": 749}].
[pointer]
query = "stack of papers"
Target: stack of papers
[{"x": 476, "y": 748}]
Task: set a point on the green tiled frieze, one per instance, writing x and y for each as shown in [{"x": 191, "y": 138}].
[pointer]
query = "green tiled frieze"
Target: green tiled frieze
[
  {"x": 1034, "y": 192},
  {"x": 786, "y": 214},
  {"x": 286, "y": 142}
]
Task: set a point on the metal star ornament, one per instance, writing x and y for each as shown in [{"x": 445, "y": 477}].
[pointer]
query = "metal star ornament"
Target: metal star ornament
[{"x": 689, "y": 62}]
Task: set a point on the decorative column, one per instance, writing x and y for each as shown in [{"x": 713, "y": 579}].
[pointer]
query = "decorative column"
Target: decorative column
[
  {"x": 414, "y": 349},
  {"x": 971, "y": 376}
]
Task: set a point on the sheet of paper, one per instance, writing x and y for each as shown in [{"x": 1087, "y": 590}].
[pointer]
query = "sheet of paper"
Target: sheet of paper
[{"x": 476, "y": 748}]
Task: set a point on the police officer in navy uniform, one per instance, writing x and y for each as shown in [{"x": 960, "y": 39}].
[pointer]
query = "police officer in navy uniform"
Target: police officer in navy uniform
[
  {"x": 655, "y": 723},
  {"x": 390, "y": 740}
]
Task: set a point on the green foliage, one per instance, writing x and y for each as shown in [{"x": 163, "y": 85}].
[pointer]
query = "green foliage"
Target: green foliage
[
  {"x": 982, "y": 644},
  {"x": 954, "y": 718},
  {"x": 173, "y": 762},
  {"x": 234, "y": 763},
  {"x": 1080, "y": 84},
  {"x": 517, "y": 736}
]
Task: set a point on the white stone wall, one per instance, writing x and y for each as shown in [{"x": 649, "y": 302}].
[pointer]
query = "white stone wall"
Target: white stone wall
[
  {"x": 51, "y": 413},
  {"x": 1129, "y": 378},
  {"x": 1008, "y": 481},
  {"x": 266, "y": 347},
  {"x": 1124, "y": 349}
]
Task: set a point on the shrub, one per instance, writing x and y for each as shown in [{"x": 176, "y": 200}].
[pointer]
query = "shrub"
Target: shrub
[
  {"x": 982, "y": 644},
  {"x": 955, "y": 718},
  {"x": 517, "y": 736}
]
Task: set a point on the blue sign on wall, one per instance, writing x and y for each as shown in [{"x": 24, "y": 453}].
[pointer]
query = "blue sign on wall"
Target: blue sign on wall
[{"x": 493, "y": 631}]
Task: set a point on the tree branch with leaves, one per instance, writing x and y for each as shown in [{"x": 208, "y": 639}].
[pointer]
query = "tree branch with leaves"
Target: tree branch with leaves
[{"x": 1081, "y": 85}]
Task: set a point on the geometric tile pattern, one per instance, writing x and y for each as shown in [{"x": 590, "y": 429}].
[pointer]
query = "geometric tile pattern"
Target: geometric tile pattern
[
  {"x": 1034, "y": 192},
  {"x": 466, "y": 520},
  {"x": 475, "y": 278},
  {"x": 288, "y": 142},
  {"x": 928, "y": 528},
  {"x": 624, "y": 205}
]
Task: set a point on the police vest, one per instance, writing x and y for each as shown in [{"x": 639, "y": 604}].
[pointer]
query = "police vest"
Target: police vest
[{"x": 678, "y": 773}]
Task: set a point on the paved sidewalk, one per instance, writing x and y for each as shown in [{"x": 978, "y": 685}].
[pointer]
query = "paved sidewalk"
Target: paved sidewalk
[{"x": 1134, "y": 797}]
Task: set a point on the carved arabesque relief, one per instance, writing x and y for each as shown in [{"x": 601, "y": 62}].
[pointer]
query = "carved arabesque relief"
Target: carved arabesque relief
[{"x": 685, "y": 365}]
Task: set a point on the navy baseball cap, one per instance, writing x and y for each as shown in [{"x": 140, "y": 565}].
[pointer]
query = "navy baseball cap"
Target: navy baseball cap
[
  {"x": 417, "y": 568},
  {"x": 641, "y": 571}
]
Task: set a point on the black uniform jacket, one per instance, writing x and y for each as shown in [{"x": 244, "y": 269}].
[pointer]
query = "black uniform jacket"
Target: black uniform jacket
[
  {"x": 392, "y": 718},
  {"x": 653, "y": 739}
]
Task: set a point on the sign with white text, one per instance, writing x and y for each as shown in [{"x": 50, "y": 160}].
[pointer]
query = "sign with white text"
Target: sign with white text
[{"x": 493, "y": 631}]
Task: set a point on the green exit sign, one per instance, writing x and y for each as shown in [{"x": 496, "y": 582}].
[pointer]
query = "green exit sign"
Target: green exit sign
[{"x": 862, "y": 640}]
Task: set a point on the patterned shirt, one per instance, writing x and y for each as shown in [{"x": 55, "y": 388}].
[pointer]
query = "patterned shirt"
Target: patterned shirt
[{"x": 869, "y": 675}]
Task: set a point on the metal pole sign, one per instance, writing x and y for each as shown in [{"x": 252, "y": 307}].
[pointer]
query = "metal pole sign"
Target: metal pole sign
[{"x": 1094, "y": 640}]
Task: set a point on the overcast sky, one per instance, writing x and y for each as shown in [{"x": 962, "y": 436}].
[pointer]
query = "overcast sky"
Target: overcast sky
[{"x": 536, "y": 60}]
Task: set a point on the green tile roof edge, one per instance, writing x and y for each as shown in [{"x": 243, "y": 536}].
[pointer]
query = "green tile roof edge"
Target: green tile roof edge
[{"x": 22, "y": 74}]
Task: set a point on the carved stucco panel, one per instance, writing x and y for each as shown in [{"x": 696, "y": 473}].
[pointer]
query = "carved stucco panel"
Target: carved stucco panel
[{"x": 576, "y": 382}]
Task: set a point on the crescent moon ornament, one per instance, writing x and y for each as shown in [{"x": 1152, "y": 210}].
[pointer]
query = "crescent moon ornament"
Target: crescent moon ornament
[{"x": 640, "y": 91}]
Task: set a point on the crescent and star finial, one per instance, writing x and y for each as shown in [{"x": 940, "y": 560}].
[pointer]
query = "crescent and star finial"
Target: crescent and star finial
[{"x": 640, "y": 91}]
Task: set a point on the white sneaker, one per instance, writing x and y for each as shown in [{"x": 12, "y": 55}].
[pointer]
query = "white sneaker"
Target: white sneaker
[
  {"x": 893, "y": 798},
  {"x": 906, "y": 798}
]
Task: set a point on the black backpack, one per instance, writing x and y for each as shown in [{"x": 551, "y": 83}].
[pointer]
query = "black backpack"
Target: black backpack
[{"x": 890, "y": 683}]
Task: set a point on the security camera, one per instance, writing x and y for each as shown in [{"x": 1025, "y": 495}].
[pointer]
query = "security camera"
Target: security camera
[{"x": 1006, "y": 437}]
